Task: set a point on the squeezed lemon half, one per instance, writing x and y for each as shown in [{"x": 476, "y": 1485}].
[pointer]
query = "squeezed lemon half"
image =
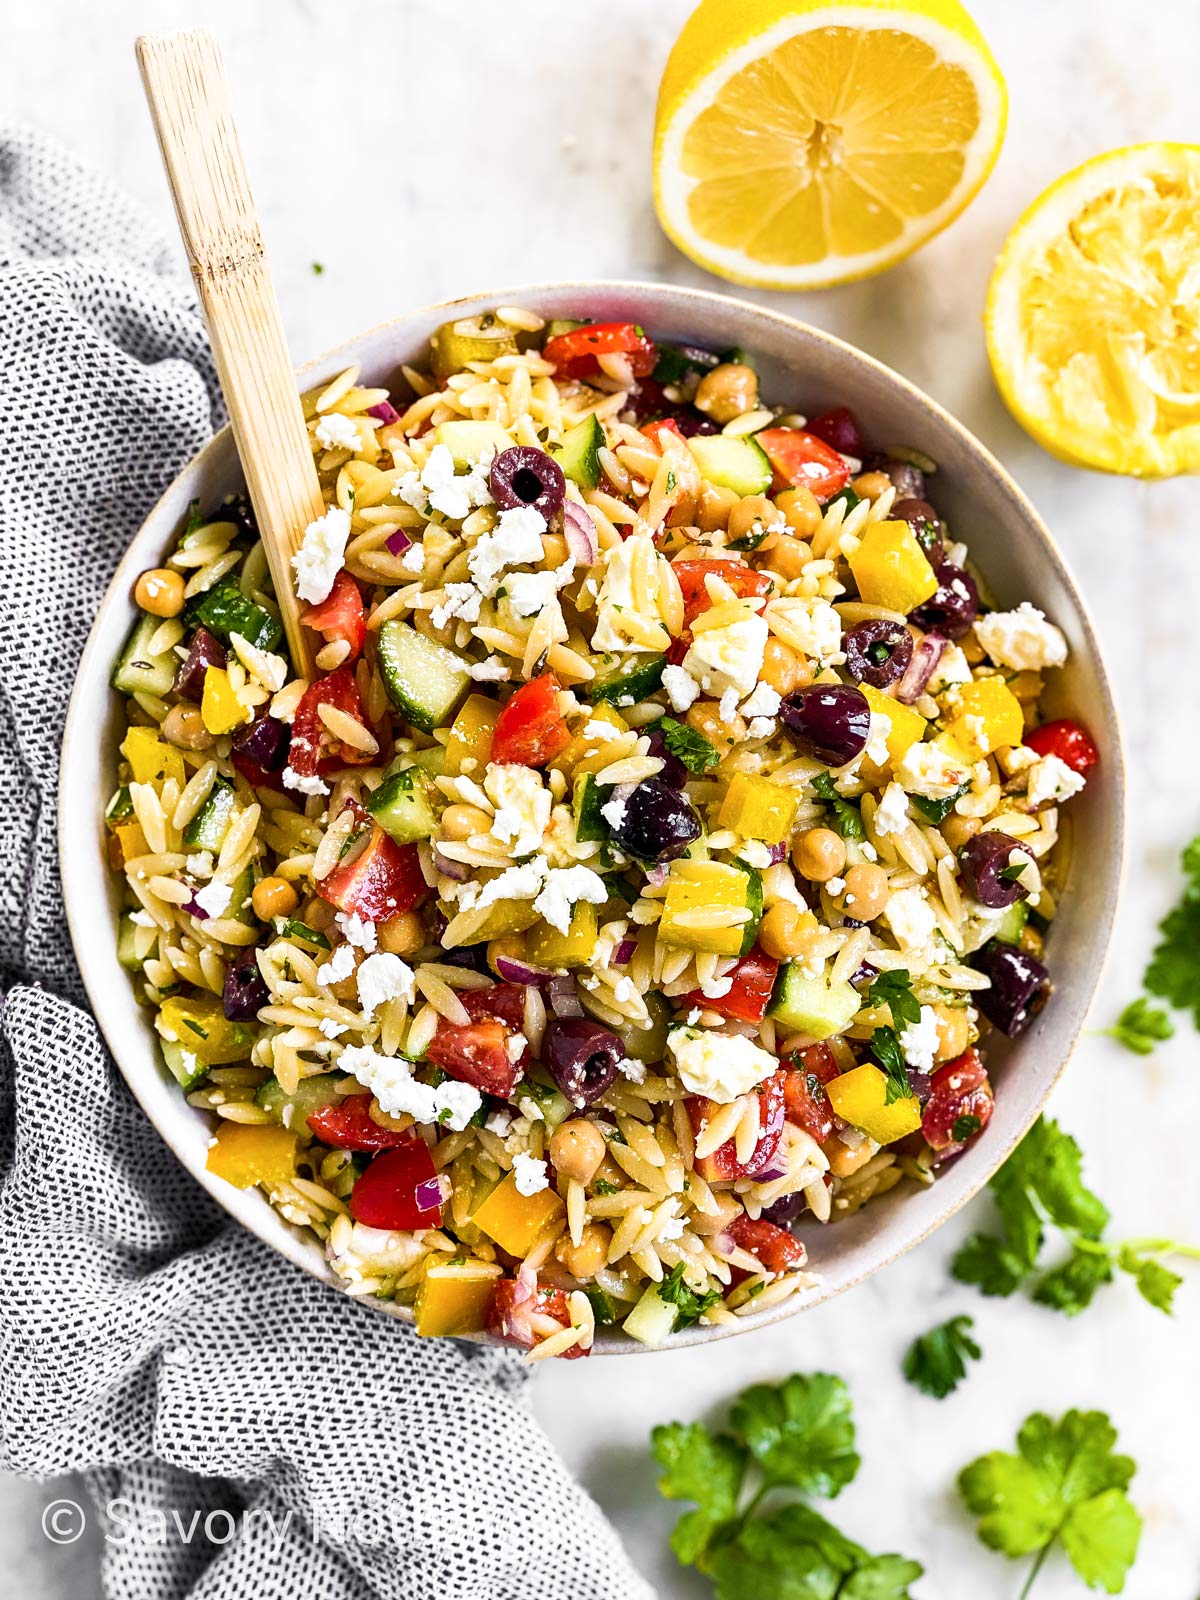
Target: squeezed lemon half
[
  {"x": 803, "y": 144},
  {"x": 1093, "y": 314}
]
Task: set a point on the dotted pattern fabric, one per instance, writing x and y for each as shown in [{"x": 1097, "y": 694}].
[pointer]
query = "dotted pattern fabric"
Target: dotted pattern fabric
[{"x": 145, "y": 1339}]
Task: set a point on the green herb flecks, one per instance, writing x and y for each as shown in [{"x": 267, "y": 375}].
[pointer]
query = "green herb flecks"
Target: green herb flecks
[
  {"x": 688, "y": 746},
  {"x": 936, "y": 1362},
  {"x": 843, "y": 817},
  {"x": 689, "y": 1306},
  {"x": 885, "y": 1046},
  {"x": 894, "y": 990}
]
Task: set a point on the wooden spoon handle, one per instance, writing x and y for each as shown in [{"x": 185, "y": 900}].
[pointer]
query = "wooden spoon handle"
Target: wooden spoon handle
[{"x": 193, "y": 118}]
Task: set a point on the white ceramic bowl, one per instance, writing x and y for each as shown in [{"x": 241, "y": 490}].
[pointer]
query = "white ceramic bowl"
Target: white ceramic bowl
[{"x": 800, "y": 366}]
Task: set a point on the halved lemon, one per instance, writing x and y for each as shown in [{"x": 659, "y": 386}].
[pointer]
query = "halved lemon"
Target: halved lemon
[
  {"x": 1093, "y": 315},
  {"x": 800, "y": 143}
]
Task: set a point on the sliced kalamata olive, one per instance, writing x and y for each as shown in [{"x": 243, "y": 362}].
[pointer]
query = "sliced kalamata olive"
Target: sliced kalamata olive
[
  {"x": 784, "y": 1212},
  {"x": 832, "y": 720},
  {"x": 471, "y": 957},
  {"x": 526, "y": 477},
  {"x": 1020, "y": 987},
  {"x": 265, "y": 741},
  {"x": 839, "y": 428},
  {"x": 925, "y": 524},
  {"x": 985, "y": 861},
  {"x": 659, "y": 822},
  {"x": 907, "y": 480},
  {"x": 204, "y": 651},
  {"x": 582, "y": 1057},
  {"x": 954, "y": 606},
  {"x": 245, "y": 993},
  {"x": 236, "y": 508},
  {"x": 877, "y": 651},
  {"x": 673, "y": 772}
]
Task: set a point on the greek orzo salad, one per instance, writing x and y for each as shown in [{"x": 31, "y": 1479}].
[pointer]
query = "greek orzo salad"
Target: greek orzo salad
[{"x": 667, "y": 830}]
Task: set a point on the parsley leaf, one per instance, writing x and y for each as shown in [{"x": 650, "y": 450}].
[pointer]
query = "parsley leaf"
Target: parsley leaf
[
  {"x": 704, "y": 1467},
  {"x": 1173, "y": 974},
  {"x": 1071, "y": 1286},
  {"x": 795, "y": 1554},
  {"x": 886, "y": 1048},
  {"x": 986, "y": 1262},
  {"x": 689, "y": 1306},
  {"x": 688, "y": 746},
  {"x": 1155, "y": 1283},
  {"x": 894, "y": 989},
  {"x": 1012, "y": 872},
  {"x": 195, "y": 518},
  {"x": 937, "y": 1361},
  {"x": 800, "y": 1432},
  {"x": 604, "y": 1186},
  {"x": 318, "y": 267},
  {"x": 844, "y": 816},
  {"x": 1065, "y": 1484},
  {"x": 965, "y": 1127},
  {"x": 1141, "y": 1026}
]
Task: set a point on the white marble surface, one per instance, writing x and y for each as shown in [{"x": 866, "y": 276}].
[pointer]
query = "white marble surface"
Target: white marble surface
[{"x": 421, "y": 147}]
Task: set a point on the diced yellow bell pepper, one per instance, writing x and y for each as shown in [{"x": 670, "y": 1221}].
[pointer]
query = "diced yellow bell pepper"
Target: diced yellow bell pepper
[
  {"x": 503, "y": 918},
  {"x": 248, "y": 1153},
  {"x": 758, "y": 809},
  {"x": 891, "y": 569},
  {"x": 714, "y": 891},
  {"x": 575, "y": 948},
  {"x": 471, "y": 736},
  {"x": 220, "y": 708},
  {"x": 516, "y": 1221},
  {"x": 132, "y": 840},
  {"x": 202, "y": 1027},
  {"x": 988, "y": 716},
  {"x": 859, "y": 1097},
  {"x": 908, "y": 726},
  {"x": 575, "y": 760},
  {"x": 151, "y": 759},
  {"x": 454, "y": 1299}
]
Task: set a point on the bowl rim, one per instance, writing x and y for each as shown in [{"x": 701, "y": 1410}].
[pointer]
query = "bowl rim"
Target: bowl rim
[{"x": 988, "y": 1156}]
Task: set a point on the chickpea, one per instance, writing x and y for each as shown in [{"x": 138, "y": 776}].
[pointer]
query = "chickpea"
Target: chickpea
[
  {"x": 801, "y": 510},
  {"x": 460, "y": 821},
  {"x": 401, "y": 936},
  {"x": 705, "y": 717},
  {"x": 783, "y": 669},
  {"x": 729, "y": 1207},
  {"x": 714, "y": 507},
  {"x": 953, "y": 1030},
  {"x": 160, "y": 592},
  {"x": 183, "y": 726},
  {"x": 751, "y": 518},
  {"x": 577, "y": 1148},
  {"x": 273, "y": 897},
  {"x": 728, "y": 391},
  {"x": 318, "y": 914},
  {"x": 842, "y": 1160},
  {"x": 783, "y": 929},
  {"x": 865, "y": 894},
  {"x": 819, "y": 854},
  {"x": 789, "y": 556},
  {"x": 971, "y": 648},
  {"x": 510, "y": 946},
  {"x": 957, "y": 830},
  {"x": 870, "y": 485},
  {"x": 584, "y": 1260}
]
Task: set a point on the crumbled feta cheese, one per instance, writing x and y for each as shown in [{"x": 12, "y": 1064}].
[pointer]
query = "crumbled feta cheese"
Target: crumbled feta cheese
[
  {"x": 381, "y": 978},
  {"x": 761, "y": 727},
  {"x": 719, "y": 1066},
  {"x": 635, "y": 1071},
  {"x": 919, "y": 1041},
  {"x": 764, "y": 702},
  {"x": 213, "y": 899},
  {"x": 493, "y": 670},
  {"x": 320, "y": 557},
  {"x": 877, "y": 738},
  {"x": 816, "y": 626},
  {"x": 335, "y": 432},
  {"x": 339, "y": 966},
  {"x": 516, "y": 541},
  {"x": 672, "y": 1228},
  {"x": 523, "y": 805},
  {"x": 729, "y": 657},
  {"x": 1052, "y": 780},
  {"x": 836, "y": 886},
  {"x": 142, "y": 919},
  {"x": 530, "y": 1174},
  {"x": 927, "y": 769},
  {"x": 977, "y": 728},
  {"x": 515, "y": 1046},
  {"x": 619, "y": 595},
  {"x": 359, "y": 931},
  {"x": 528, "y": 592},
  {"x": 200, "y": 865},
  {"x": 565, "y": 886},
  {"x": 456, "y": 1103},
  {"x": 514, "y": 883},
  {"x": 451, "y": 495},
  {"x": 715, "y": 988},
  {"x": 756, "y": 854},
  {"x": 891, "y": 814},
  {"x": 682, "y": 689},
  {"x": 1021, "y": 639},
  {"x": 911, "y": 918},
  {"x": 331, "y": 1029},
  {"x": 869, "y": 851},
  {"x": 390, "y": 1080},
  {"x": 413, "y": 559},
  {"x": 462, "y": 600},
  {"x": 953, "y": 667},
  {"x": 499, "y": 1121},
  {"x": 304, "y": 782},
  {"x": 613, "y": 811},
  {"x": 728, "y": 706}
]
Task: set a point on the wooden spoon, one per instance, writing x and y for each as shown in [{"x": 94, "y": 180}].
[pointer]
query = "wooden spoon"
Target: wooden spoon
[{"x": 193, "y": 118}]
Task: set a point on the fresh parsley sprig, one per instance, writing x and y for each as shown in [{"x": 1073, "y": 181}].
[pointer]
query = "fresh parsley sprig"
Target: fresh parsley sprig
[
  {"x": 797, "y": 1438},
  {"x": 1065, "y": 1485},
  {"x": 688, "y": 746},
  {"x": 1173, "y": 973},
  {"x": 689, "y": 1306},
  {"x": 885, "y": 1046},
  {"x": 936, "y": 1362},
  {"x": 894, "y": 990},
  {"x": 844, "y": 817},
  {"x": 1141, "y": 1026}
]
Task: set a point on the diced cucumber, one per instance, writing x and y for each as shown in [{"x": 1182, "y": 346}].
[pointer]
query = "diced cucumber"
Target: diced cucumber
[
  {"x": 675, "y": 362},
  {"x": 739, "y": 356},
  {"x": 480, "y": 338},
  {"x": 137, "y": 671},
  {"x": 648, "y": 1044},
  {"x": 633, "y": 680},
  {"x": 652, "y": 1319},
  {"x": 403, "y": 806},
  {"x": 579, "y": 453},
  {"x": 586, "y": 801},
  {"x": 811, "y": 1006},
  {"x": 560, "y": 325},
  {"x": 937, "y": 810},
  {"x": 731, "y": 463},
  {"x": 207, "y": 829},
  {"x": 603, "y": 1308},
  {"x": 293, "y": 1110},
  {"x": 431, "y": 761},
  {"x": 126, "y": 934},
  {"x": 846, "y": 497},
  {"x": 424, "y": 680},
  {"x": 293, "y": 928},
  {"x": 754, "y": 901},
  {"x": 183, "y": 1064},
  {"x": 468, "y": 441},
  {"x": 240, "y": 908},
  {"x": 120, "y": 807},
  {"x": 1013, "y": 923},
  {"x": 225, "y": 610}
]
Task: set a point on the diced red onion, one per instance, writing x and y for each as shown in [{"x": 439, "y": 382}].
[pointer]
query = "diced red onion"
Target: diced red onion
[
  {"x": 927, "y": 652},
  {"x": 521, "y": 972},
  {"x": 624, "y": 952},
  {"x": 769, "y": 1175},
  {"x": 398, "y": 542},
  {"x": 579, "y": 527},
  {"x": 429, "y": 1195},
  {"x": 564, "y": 997},
  {"x": 458, "y": 870},
  {"x": 657, "y": 875},
  {"x": 778, "y": 853},
  {"x": 527, "y": 1278},
  {"x": 384, "y": 412}
]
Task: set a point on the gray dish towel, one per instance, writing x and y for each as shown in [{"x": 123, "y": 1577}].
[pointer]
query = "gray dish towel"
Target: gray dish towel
[{"x": 147, "y": 1340}]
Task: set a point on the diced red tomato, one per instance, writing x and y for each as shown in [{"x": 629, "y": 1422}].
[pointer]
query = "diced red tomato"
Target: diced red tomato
[
  {"x": 513, "y": 1306},
  {"x": 743, "y": 580},
  {"x": 531, "y": 730},
  {"x": 655, "y": 430},
  {"x": 340, "y": 615},
  {"x": 313, "y": 749},
  {"x": 838, "y": 428},
  {"x": 775, "y": 1247},
  {"x": 574, "y": 353},
  {"x": 348, "y": 1126},
  {"x": 478, "y": 1051},
  {"x": 383, "y": 880},
  {"x": 805, "y": 1101},
  {"x": 1066, "y": 740},
  {"x": 801, "y": 460},
  {"x": 748, "y": 998},
  {"x": 400, "y": 1189},
  {"x": 723, "y": 1162},
  {"x": 959, "y": 1089}
]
